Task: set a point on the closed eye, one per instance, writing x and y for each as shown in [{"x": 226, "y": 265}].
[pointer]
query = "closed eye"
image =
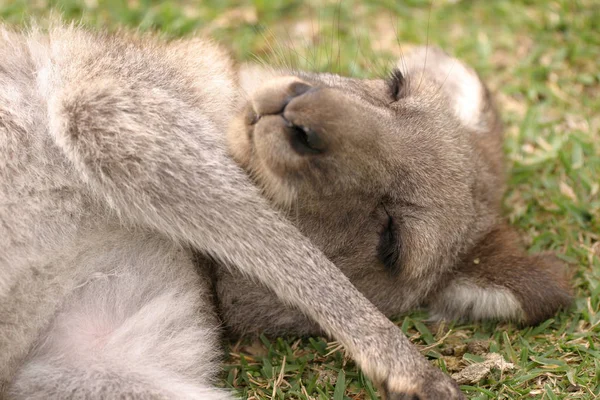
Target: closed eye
[{"x": 388, "y": 250}]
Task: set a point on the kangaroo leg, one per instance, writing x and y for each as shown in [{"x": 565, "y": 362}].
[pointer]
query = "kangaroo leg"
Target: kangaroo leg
[
  {"x": 149, "y": 150},
  {"x": 141, "y": 326}
]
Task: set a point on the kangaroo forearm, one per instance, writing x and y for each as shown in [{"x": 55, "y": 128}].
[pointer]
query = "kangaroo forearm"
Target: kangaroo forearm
[{"x": 161, "y": 165}]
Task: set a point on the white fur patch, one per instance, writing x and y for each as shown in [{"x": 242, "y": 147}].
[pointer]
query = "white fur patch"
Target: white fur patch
[
  {"x": 463, "y": 299},
  {"x": 468, "y": 96}
]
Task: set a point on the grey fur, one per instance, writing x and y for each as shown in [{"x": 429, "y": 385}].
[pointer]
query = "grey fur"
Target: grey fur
[
  {"x": 113, "y": 163},
  {"x": 431, "y": 159}
]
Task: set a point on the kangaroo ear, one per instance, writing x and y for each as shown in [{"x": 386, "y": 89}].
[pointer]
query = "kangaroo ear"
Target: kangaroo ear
[
  {"x": 497, "y": 280},
  {"x": 429, "y": 68}
]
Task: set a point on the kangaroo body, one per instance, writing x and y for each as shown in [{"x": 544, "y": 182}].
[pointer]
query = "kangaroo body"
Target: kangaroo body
[{"x": 113, "y": 166}]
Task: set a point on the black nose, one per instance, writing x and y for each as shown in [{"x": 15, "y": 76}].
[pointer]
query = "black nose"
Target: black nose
[{"x": 304, "y": 140}]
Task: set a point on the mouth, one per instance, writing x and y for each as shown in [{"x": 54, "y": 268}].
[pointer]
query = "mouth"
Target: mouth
[
  {"x": 250, "y": 120},
  {"x": 255, "y": 143}
]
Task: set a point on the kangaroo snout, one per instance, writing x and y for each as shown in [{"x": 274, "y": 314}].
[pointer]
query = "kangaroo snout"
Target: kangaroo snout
[{"x": 276, "y": 99}]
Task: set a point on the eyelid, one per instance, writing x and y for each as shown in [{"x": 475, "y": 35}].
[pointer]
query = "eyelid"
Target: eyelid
[
  {"x": 388, "y": 246},
  {"x": 390, "y": 222}
]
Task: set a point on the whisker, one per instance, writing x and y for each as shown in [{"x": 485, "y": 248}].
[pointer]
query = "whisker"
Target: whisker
[
  {"x": 280, "y": 52},
  {"x": 339, "y": 12},
  {"x": 319, "y": 30},
  {"x": 272, "y": 51},
  {"x": 298, "y": 55},
  {"x": 369, "y": 60},
  {"x": 313, "y": 46},
  {"x": 426, "y": 44},
  {"x": 404, "y": 66},
  {"x": 439, "y": 91}
]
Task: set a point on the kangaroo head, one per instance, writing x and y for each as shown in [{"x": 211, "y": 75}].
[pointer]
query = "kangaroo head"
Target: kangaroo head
[{"x": 399, "y": 182}]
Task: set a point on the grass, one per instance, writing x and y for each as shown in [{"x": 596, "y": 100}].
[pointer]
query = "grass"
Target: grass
[{"x": 540, "y": 58}]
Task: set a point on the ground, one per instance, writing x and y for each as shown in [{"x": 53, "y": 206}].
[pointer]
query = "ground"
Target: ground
[{"x": 540, "y": 59}]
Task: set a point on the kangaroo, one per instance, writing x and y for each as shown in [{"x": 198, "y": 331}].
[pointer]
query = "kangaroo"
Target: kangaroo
[
  {"x": 399, "y": 182},
  {"x": 115, "y": 168}
]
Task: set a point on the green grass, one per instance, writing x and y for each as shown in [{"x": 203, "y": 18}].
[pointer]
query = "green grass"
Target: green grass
[{"x": 540, "y": 58}]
